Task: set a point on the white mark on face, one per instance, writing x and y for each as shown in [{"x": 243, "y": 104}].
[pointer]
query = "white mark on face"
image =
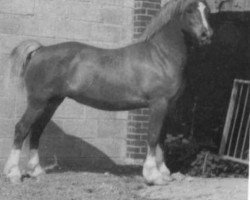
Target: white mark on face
[{"x": 201, "y": 8}]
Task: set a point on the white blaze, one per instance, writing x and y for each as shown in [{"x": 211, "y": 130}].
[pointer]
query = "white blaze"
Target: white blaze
[{"x": 201, "y": 8}]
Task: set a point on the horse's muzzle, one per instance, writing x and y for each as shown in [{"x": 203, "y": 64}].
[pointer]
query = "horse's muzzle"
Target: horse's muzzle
[{"x": 205, "y": 37}]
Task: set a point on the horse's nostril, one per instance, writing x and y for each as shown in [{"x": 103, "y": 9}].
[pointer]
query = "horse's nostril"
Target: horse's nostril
[{"x": 204, "y": 35}]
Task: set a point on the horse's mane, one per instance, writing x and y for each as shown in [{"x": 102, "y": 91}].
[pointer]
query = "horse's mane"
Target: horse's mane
[{"x": 170, "y": 10}]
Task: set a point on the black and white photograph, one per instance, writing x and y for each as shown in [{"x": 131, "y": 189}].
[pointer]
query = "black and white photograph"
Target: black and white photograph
[{"x": 124, "y": 99}]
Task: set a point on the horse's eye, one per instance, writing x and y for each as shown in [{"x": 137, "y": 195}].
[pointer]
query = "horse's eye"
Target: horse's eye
[{"x": 207, "y": 11}]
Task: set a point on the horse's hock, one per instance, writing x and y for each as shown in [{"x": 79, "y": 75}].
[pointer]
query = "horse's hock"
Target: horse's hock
[{"x": 76, "y": 132}]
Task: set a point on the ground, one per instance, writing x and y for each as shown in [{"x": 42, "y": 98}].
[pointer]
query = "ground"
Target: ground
[{"x": 69, "y": 185}]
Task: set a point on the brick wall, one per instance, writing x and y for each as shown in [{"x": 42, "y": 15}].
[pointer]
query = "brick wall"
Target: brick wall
[
  {"x": 138, "y": 119},
  {"x": 76, "y": 131}
]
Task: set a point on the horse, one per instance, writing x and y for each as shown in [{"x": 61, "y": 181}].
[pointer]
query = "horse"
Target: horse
[{"x": 144, "y": 74}]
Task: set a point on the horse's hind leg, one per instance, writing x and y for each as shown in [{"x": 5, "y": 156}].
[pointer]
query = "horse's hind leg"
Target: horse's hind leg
[
  {"x": 154, "y": 168},
  {"x": 36, "y": 130},
  {"x": 22, "y": 129}
]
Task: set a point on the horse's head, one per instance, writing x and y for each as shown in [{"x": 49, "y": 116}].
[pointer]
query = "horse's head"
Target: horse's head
[{"x": 195, "y": 20}]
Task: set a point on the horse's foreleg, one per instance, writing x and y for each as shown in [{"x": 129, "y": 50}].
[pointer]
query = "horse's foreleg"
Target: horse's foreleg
[
  {"x": 154, "y": 168},
  {"x": 37, "y": 128},
  {"x": 22, "y": 129}
]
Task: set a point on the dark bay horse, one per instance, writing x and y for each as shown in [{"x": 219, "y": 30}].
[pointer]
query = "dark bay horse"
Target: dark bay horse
[{"x": 147, "y": 73}]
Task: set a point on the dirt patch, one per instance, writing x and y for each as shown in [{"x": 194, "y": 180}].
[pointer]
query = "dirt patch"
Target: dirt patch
[
  {"x": 199, "y": 189},
  {"x": 106, "y": 186}
]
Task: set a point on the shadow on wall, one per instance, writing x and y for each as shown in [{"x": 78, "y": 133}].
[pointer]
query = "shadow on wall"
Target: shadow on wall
[{"x": 74, "y": 154}]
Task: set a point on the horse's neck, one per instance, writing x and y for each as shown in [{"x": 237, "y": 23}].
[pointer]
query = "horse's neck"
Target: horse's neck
[{"x": 171, "y": 41}]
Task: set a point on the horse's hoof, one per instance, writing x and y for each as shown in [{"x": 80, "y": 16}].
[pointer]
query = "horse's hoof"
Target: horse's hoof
[
  {"x": 15, "y": 180},
  {"x": 13, "y": 174},
  {"x": 154, "y": 177},
  {"x": 36, "y": 171},
  {"x": 159, "y": 181},
  {"x": 164, "y": 170},
  {"x": 167, "y": 178}
]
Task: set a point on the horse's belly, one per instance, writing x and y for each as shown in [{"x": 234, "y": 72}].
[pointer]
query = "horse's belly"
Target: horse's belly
[{"x": 111, "y": 104}]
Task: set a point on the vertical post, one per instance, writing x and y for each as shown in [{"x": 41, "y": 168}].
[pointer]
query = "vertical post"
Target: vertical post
[
  {"x": 247, "y": 132},
  {"x": 144, "y": 11},
  {"x": 235, "y": 117},
  {"x": 243, "y": 115},
  {"x": 229, "y": 117}
]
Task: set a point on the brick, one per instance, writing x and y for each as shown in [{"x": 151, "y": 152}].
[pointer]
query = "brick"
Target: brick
[
  {"x": 152, "y": 12},
  {"x": 133, "y": 150},
  {"x": 141, "y": 118},
  {"x": 144, "y": 137},
  {"x": 140, "y": 24},
  {"x": 137, "y": 35},
  {"x": 140, "y": 11},
  {"x": 137, "y": 156},
  {"x": 136, "y": 143},
  {"x": 143, "y": 150},
  {"x": 132, "y": 130},
  {"x": 136, "y": 137},
  {"x": 151, "y": 5},
  {"x": 145, "y": 125},
  {"x": 135, "y": 124},
  {"x": 154, "y": 1},
  {"x": 138, "y": 4},
  {"x": 139, "y": 29},
  {"x": 146, "y": 111},
  {"x": 142, "y": 18},
  {"x": 141, "y": 130}
]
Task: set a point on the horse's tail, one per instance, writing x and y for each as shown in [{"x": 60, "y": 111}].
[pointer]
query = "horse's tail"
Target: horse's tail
[{"x": 21, "y": 54}]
